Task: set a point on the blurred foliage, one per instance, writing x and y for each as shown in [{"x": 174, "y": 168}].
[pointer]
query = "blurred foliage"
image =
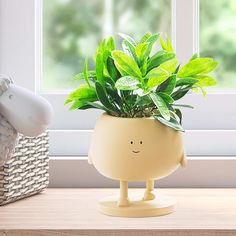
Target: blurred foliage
[
  {"x": 73, "y": 28},
  {"x": 69, "y": 26},
  {"x": 218, "y": 38}
]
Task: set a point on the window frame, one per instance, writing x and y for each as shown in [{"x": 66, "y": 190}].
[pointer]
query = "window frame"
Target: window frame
[{"x": 218, "y": 154}]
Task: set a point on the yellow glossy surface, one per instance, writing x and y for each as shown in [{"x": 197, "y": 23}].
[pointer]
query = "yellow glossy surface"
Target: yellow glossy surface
[{"x": 135, "y": 149}]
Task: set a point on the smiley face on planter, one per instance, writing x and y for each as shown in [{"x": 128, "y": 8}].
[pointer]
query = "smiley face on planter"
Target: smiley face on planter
[{"x": 135, "y": 149}]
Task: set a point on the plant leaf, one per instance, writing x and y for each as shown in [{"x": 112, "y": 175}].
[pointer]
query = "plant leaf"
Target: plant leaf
[
  {"x": 156, "y": 76},
  {"x": 102, "y": 96},
  {"x": 204, "y": 80},
  {"x": 83, "y": 92},
  {"x": 159, "y": 58},
  {"x": 180, "y": 92},
  {"x": 78, "y": 104},
  {"x": 166, "y": 45},
  {"x": 126, "y": 63},
  {"x": 144, "y": 101},
  {"x": 141, "y": 93},
  {"x": 113, "y": 72},
  {"x": 179, "y": 114},
  {"x": 167, "y": 98},
  {"x": 128, "y": 38},
  {"x": 99, "y": 69},
  {"x": 194, "y": 56},
  {"x": 146, "y": 37},
  {"x": 153, "y": 38},
  {"x": 140, "y": 52},
  {"x": 151, "y": 41},
  {"x": 186, "y": 81},
  {"x": 169, "y": 65},
  {"x": 86, "y": 71},
  {"x": 109, "y": 81},
  {"x": 161, "y": 105},
  {"x": 161, "y": 73},
  {"x": 143, "y": 68},
  {"x": 182, "y": 105},
  {"x": 80, "y": 76},
  {"x": 169, "y": 45},
  {"x": 197, "y": 66},
  {"x": 175, "y": 116},
  {"x": 101, "y": 46},
  {"x": 195, "y": 90},
  {"x": 203, "y": 91},
  {"x": 127, "y": 83},
  {"x": 121, "y": 71},
  {"x": 111, "y": 44},
  {"x": 129, "y": 49},
  {"x": 115, "y": 97},
  {"x": 172, "y": 123},
  {"x": 96, "y": 106},
  {"x": 105, "y": 56},
  {"x": 168, "y": 86},
  {"x": 177, "y": 69}
]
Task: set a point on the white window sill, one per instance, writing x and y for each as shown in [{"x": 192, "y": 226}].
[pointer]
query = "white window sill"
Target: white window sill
[{"x": 202, "y": 171}]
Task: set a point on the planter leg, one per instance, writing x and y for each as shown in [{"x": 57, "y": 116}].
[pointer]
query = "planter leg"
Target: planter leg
[
  {"x": 123, "y": 201},
  {"x": 149, "y": 195}
]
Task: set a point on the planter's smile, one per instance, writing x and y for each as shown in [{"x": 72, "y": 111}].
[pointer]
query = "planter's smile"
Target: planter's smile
[{"x": 136, "y": 152}]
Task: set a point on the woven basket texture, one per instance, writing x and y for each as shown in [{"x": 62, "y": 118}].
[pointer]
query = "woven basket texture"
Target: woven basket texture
[{"x": 26, "y": 172}]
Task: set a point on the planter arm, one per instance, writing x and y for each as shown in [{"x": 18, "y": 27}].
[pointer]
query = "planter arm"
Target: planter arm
[{"x": 183, "y": 161}]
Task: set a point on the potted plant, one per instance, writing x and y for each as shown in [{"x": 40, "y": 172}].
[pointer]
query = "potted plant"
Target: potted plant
[{"x": 139, "y": 135}]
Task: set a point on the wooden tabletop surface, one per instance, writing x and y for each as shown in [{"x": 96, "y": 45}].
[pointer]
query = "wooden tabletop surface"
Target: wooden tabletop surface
[{"x": 74, "y": 212}]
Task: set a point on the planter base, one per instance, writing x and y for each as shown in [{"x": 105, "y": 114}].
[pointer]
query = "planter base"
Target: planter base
[{"x": 162, "y": 205}]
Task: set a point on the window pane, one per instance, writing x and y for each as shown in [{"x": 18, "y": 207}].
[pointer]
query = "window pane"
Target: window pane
[
  {"x": 73, "y": 28},
  {"x": 218, "y": 38}
]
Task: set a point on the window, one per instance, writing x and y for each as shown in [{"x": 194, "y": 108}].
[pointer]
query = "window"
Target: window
[
  {"x": 71, "y": 31},
  {"x": 217, "y": 38},
  {"x": 27, "y": 55},
  {"x": 73, "y": 28}
]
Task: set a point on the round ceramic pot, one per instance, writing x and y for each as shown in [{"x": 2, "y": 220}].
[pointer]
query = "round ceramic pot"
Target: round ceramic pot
[{"x": 135, "y": 149}]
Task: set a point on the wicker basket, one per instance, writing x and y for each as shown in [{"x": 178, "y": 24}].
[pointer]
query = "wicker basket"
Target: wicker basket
[{"x": 26, "y": 173}]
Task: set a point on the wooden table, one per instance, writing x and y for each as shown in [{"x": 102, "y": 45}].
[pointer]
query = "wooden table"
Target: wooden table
[{"x": 64, "y": 212}]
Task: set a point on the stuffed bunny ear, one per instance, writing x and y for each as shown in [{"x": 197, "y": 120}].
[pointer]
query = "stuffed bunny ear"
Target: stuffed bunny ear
[
  {"x": 6, "y": 78},
  {"x": 4, "y": 83}
]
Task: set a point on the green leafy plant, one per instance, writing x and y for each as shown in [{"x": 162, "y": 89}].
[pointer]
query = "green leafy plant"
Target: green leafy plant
[{"x": 137, "y": 83}]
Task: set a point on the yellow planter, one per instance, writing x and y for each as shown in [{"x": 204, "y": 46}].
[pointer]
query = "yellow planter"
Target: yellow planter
[{"x": 135, "y": 149}]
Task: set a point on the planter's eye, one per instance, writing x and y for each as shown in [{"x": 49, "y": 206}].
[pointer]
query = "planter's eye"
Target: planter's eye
[
  {"x": 141, "y": 142},
  {"x": 131, "y": 142}
]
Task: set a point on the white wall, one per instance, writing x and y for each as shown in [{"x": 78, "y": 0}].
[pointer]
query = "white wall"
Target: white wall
[{"x": 17, "y": 41}]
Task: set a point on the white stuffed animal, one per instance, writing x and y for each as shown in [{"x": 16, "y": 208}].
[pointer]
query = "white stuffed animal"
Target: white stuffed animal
[
  {"x": 8, "y": 140},
  {"x": 20, "y": 111}
]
